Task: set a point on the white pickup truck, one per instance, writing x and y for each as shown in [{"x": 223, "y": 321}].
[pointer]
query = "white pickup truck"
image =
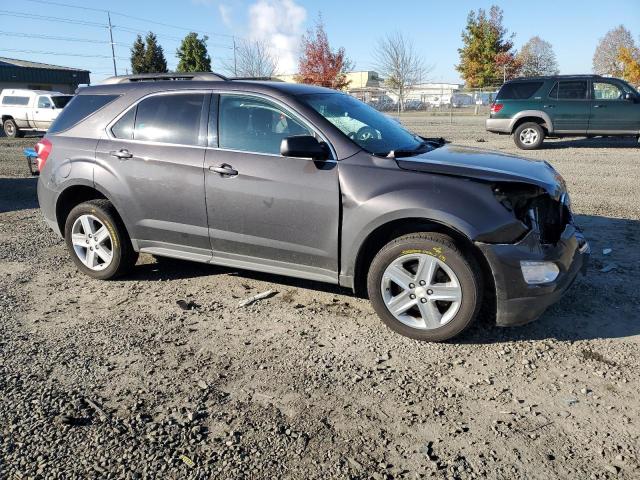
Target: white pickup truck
[{"x": 29, "y": 110}]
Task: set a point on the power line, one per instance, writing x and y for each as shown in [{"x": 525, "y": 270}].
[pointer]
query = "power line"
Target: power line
[
  {"x": 32, "y": 16},
  {"x": 55, "y": 37},
  {"x": 42, "y": 52}
]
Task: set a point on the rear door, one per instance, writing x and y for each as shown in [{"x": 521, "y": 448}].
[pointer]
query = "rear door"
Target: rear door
[
  {"x": 270, "y": 212},
  {"x": 152, "y": 163},
  {"x": 610, "y": 111},
  {"x": 569, "y": 106}
]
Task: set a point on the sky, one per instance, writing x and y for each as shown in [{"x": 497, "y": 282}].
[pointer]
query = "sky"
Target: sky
[{"x": 81, "y": 39}]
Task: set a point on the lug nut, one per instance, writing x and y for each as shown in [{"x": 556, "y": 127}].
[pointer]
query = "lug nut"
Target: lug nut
[
  {"x": 422, "y": 283},
  {"x": 429, "y": 292},
  {"x": 423, "y": 300},
  {"x": 412, "y": 296},
  {"x": 412, "y": 285}
]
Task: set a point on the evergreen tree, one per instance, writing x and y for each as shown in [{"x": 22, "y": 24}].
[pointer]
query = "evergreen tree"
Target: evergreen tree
[
  {"x": 192, "y": 54},
  {"x": 138, "y": 56},
  {"x": 154, "y": 60},
  {"x": 486, "y": 56}
]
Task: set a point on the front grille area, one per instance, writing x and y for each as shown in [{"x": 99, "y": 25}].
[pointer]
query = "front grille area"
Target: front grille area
[{"x": 549, "y": 217}]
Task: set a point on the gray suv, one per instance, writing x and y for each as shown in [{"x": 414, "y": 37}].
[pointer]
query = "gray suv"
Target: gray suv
[{"x": 307, "y": 182}]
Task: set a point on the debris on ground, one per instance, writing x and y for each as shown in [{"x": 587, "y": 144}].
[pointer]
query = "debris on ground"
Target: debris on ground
[{"x": 260, "y": 296}]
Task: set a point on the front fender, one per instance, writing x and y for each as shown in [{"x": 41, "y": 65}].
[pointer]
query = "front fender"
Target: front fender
[{"x": 466, "y": 206}]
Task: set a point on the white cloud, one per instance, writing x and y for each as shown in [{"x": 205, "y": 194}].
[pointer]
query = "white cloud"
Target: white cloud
[
  {"x": 225, "y": 14},
  {"x": 280, "y": 23}
]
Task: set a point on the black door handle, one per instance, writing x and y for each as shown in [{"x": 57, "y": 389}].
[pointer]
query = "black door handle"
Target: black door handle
[
  {"x": 548, "y": 106},
  {"x": 121, "y": 154},
  {"x": 225, "y": 170},
  {"x": 599, "y": 106}
]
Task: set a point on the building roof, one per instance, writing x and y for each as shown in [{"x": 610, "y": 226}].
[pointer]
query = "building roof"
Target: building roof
[{"x": 14, "y": 70}]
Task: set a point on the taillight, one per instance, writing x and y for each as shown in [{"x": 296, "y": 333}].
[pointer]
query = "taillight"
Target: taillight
[
  {"x": 496, "y": 107},
  {"x": 43, "y": 150}
]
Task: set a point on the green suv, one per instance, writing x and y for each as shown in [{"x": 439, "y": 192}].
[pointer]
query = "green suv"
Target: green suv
[{"x": 565, "y": 106}]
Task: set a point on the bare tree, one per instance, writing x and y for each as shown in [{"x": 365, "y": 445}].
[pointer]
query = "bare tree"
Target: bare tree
[
  {"x": 253, "y": 58},
  {"x": 537, "y": 58},
  {"x": 400, "y": 65},
  {"x": 605, "y": 58}
]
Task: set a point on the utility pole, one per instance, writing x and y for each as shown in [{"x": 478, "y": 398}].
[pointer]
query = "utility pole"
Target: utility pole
[
  {"x": 235, "y": 60},
  {"x": 113, "y": 52}
]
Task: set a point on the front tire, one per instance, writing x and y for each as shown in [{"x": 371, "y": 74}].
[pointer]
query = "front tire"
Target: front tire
[
  {"x": 424, "y": 287},
  {"x": 98, "y": 241},
  {"x": 529, "y": 136}
]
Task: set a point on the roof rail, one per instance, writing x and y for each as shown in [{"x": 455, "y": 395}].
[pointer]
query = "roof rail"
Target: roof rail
[
  {"x": 159, "y": 77},
  {"x": 264, "y": 79}
]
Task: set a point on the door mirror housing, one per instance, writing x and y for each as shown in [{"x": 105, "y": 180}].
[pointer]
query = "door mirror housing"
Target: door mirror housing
[
  {"x": 630, "y": 97},
  {"x": 304, "y": 146}
]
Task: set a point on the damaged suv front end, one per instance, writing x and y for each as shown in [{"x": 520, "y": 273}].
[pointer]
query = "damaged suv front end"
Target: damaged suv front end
[{"x": 534, "y": 272}]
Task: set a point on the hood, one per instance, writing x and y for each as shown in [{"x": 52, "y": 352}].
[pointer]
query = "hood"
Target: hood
[{"x": 485, "y": 165}]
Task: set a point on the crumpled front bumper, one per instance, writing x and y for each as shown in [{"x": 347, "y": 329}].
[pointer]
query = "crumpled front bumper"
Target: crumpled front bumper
[{"x": 518, "y": 302}]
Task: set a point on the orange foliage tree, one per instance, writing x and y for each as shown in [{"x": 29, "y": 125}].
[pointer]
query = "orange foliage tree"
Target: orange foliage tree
[
  {"x": 318, "y": 64},
  {"x": 630, "y": 65}
]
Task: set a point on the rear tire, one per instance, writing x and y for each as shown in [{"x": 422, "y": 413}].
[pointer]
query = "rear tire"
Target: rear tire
[
  {"x": 98, "y": 241},
  {"x": 442, "y": 290},
  {"x": 529, "y": 136},
  {"x": 11, "y": 129}
]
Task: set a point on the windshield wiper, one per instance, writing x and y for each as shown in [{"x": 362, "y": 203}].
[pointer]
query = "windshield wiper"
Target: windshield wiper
[{"x": 407, "y": 152}]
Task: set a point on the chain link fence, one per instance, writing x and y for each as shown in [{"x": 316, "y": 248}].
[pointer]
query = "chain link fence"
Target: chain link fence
[{"x": 436, "y": 100}]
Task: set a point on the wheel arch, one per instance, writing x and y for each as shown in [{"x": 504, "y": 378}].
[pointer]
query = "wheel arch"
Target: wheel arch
[
  {"x": 76, "y": 194},
  {"x": 388, "y": 231},
  {"x": 541, "y": 118}
]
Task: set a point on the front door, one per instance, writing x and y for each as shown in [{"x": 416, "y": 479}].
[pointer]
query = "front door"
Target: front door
[
  {"x": 152, "y": 163},
  {"x": 44, "y": 113},
  {"x": 611, "y": 112},
  {"x": 269, "y": 212},
  {"x": 568, "y": 106}
]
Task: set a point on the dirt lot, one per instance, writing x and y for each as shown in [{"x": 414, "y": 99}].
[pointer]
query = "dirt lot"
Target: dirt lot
[{"x": 115, "y": 380}]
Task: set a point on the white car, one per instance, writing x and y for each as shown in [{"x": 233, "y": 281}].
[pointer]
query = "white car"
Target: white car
[{"x": 30, "y": 110}]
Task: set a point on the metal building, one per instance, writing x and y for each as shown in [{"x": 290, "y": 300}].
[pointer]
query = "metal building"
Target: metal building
[{"x": 40, "y": 76}]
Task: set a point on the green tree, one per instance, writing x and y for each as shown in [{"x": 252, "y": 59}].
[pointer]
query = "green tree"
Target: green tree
[
  {"x": 154, "y": 61},
  {"x": 192, "y": 54},
  {"x": 486, "y": 57},
  {"x": 137, "y": 56}
]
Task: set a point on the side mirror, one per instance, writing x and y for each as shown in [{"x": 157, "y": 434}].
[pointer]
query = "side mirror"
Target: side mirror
[
  {"x": 304, "y": 146},
  {"x": 630, "y": 97}
]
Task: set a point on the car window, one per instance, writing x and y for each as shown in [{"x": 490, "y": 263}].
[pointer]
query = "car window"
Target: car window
[
  {"x": 174, "y": 118},
  {"x": 371, "y": 130},
  {"x": 123, "y": 128},
  {"x": 79, "y": 108},
  {"x": 44, "y": 102},
  {"x": 569, "y": 90},
  {"x": 607, "y": 91},
  {"x": 60, "y": 101},
  {"x": 15, "y": 100},
  {"x": 518, "y": 90},
  {"x": 251, "y": 124}
]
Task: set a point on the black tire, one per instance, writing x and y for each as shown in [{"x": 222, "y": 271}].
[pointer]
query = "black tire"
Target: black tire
[
  {"x": 523, "y": 144},
  {"x": 11, "y": 129},
  {"x": 464, "y": 266},
  {"x": 124, "y": 256}
]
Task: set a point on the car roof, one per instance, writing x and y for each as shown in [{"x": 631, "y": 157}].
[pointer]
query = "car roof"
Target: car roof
[
  {"x": 162, "y": 84},
  {"x": 25, "y": 91},
  {"x": 554, "y": 77}
]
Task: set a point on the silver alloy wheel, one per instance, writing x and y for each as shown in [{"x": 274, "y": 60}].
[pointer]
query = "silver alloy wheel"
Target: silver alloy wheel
[
  {"x": 9, "y": 129},
  {"x": 529, "y": 136},
  {"x": 421, "y": 291},
  {"x": 92, "y": 242}
]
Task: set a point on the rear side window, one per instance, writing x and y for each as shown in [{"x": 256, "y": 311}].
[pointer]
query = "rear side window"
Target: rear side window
[
  {"x": 15, "y": 100},
  {"x": 123, "y": 128},
  {"x": 518, "y": 90},
  {"x": 569, "y": 90},
  {"x": 175, "y": 118},
  {"x": 78, "y": 109}
]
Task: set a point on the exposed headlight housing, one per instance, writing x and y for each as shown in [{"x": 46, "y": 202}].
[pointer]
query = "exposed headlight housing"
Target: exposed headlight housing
[{"x": 536, "y": 273}]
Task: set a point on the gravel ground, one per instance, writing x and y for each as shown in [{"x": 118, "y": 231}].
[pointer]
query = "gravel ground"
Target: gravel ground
[{"x": 115, "y": 380}]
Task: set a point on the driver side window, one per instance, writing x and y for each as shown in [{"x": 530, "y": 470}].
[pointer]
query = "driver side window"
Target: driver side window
[
  {"x": 251, "y": 124},
  {"x": 607, "y": 91}
]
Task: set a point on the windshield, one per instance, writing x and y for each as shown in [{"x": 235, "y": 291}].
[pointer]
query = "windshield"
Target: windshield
[
  {"x": 371, "y": 130},
  {"x": 60, "y": 101}
]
